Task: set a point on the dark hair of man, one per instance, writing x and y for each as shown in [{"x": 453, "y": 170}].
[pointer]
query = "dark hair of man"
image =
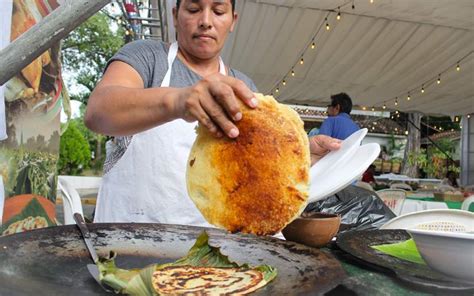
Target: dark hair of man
[
  {"x": 344, "y": 102},
  {"x": 178, "y": 2}
]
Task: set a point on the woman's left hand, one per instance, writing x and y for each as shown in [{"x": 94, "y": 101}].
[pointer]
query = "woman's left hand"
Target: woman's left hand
[{"x": 320, "y": 145}]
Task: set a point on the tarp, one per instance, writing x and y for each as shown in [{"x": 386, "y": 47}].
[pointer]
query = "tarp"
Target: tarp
[{"x": 375, "y": 52}]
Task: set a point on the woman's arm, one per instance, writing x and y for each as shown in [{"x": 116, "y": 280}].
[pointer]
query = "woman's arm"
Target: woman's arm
[{"x": 120, "y": 105}]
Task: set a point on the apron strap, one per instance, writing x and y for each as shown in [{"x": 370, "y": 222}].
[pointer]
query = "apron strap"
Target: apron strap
[{"x": 173, "y": 52}]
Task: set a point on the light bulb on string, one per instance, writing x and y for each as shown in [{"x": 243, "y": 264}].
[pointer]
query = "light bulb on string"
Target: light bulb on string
[
  {"x": 408, "y": 97},
  {"x": 371, "y": 1},
  {"x": 384, "y": 107},
  {"x": 277, "y": 90},
  {"x": 301, "y": 61},
  {"x": 468, "y": 116},
  {"x": 327, "y": 24},
  {"x": 313, "y": 45},
  {"x": 439, "y": 79},
  {"x": 127, "y": 32},
  {"x": 284, "y": 82},
  {"x": 338, "y": 17},
  {"x": 292, "y": 73},
  {"x": 406, "y": 133},
  {"x": 396, "y": 111},
  {"x": 422, "y": 89},
  {"x": 353, "y": 5},
  {"x": 458, "y": 68},
  {"x": 396, "y": 101},
  {"x": 364, "y": 108}
]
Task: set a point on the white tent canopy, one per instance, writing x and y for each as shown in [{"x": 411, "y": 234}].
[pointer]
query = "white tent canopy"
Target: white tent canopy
[{"x": 375, "y": 52}]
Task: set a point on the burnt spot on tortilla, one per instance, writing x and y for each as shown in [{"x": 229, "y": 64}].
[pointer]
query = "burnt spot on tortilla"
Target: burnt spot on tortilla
[{"x": 191, "y": 163}]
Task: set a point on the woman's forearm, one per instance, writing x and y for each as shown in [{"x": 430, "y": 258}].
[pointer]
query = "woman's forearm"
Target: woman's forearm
[{"x": 119, "y": 111}]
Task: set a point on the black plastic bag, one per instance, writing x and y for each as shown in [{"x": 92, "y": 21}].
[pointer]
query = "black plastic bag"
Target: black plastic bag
[{"x": 360, "y": 209}]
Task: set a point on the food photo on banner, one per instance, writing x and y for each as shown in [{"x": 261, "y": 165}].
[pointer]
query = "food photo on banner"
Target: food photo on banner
[{"x": 30, "y": 150}]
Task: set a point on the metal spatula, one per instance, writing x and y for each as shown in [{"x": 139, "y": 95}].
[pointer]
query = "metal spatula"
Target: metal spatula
[{"x": 93, "y": 270}]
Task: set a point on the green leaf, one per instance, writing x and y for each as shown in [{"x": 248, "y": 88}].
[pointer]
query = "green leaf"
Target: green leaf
[
  {"x": 406, "y": 250},
  {"x": 139, "y": 281}
]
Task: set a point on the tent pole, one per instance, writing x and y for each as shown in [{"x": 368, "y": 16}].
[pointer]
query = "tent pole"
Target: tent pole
[{"x": 51, "y": 29}]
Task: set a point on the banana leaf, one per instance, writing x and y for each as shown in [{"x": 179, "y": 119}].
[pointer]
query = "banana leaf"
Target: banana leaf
[
  {"x": 404, "y": 250},
  {"x": 138, "y": 282}
]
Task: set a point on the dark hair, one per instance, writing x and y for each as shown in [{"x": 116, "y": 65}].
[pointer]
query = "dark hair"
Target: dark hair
[
  {"x": 178, "y": 2},
  {"x": 344, "y": 101}
]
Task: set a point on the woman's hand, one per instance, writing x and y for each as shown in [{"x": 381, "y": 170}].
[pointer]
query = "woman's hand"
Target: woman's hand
[
  {"x": 320, "y": 145},
  {"x": 213, "y": 102}
]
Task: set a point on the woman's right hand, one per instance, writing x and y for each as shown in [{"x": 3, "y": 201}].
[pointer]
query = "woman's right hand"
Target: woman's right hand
[{"x": 213, "y": 102}]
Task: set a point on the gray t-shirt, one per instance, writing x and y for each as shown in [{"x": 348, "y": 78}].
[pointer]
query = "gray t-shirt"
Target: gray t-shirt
[{"x": 150, "y": 59}]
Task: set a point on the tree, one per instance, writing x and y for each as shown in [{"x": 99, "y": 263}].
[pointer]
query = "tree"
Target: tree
[
  {"x": 74, "y": 151},
  {"x": 85, "y": 54},
  {"x": 413, "y": 144}
]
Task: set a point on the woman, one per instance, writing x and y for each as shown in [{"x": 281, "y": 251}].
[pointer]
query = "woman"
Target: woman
[{"x": 157, "y": 93}]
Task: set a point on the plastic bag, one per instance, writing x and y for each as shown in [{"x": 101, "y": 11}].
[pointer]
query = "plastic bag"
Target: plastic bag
[{"x": 360, "y": 209}]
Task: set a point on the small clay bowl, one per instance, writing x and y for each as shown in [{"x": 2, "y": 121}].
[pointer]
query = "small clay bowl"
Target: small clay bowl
[{"x": 313, "y": 229}]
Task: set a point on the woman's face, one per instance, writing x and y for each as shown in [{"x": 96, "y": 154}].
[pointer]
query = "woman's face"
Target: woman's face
[{"x": 202, "y": 26}]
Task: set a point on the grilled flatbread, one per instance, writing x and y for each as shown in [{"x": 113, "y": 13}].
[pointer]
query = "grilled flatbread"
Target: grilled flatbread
[
  {"x": 258, "y": 182},
  {"x": 190, "y": 280}
]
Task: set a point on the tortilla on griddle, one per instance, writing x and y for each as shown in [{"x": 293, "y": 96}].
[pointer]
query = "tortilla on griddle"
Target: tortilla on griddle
[
  {"x": 258, "y": 182},
  {"x": 191, "y": 280}
]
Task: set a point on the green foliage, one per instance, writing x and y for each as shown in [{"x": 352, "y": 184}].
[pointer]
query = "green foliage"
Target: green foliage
[
  {"x": 87, "y": 49},
  {"x": 85, "y": 54},
  {"x": 74, "y": 151},
  {"x": 429, "y": 159}
]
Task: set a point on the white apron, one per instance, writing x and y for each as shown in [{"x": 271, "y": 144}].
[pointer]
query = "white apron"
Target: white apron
[{"x": 148, "y": 183}]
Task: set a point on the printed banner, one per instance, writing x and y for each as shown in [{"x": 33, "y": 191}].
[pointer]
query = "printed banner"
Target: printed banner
[{"x": 29, "y": 155}]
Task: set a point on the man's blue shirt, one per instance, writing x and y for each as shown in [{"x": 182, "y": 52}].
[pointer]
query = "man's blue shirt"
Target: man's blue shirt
[{"x": 340, "y": 126}]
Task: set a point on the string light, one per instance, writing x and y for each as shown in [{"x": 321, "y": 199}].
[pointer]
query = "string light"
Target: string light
[
  {"x": 468, "y": 116},
  {"x": 301, "y": 61},
  {"x": 313, "y": 45},
  {"x": 406, "y": 133},
  {"x": 292, "y": 73},
  {"x": 439, "y": 79},
  {"x": 338, "y": 17},
  {"x": 284, "y": 82},
  {"x": 384, "y": 106},
  {"x": 408, "y": 97},
  {"x": 371, "y": 1},
  {"x": 364, "y": 108},
  {"x": 277, "y": 90},
  {"x": 373, "y": 108},
  {"x": 458, "y": 68},
  {"x": 327, "y": 24},
  {"x": 456, "y": 119},
  {"x": 396, "y": 101},
  {"x": 422, "y": 89},
  {"x": 353, "y": 5}
]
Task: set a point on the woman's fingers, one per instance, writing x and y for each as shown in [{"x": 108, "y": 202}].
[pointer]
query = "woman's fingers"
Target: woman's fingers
[
  {"x": 220, "y": 117},
  {"x": 320, "y": 145},
  {"x": 241, "y": 91}
]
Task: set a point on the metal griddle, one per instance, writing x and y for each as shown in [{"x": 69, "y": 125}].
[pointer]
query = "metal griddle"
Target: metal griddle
[
  {"x": 52, "y": 261},
  {"x": 359, "y": 243}
]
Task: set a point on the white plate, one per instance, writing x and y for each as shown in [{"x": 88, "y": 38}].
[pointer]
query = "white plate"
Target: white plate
[
  {"x": 452, "y": 220},
  {"x": 347, "y": 149},
  {"x": 326, "y": 180}
]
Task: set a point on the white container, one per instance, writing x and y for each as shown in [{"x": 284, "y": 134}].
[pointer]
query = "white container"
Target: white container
[{"x": 451, "y": 253}]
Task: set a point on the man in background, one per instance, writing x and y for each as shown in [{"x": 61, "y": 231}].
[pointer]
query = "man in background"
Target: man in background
[{"x": 339, "y": 124}]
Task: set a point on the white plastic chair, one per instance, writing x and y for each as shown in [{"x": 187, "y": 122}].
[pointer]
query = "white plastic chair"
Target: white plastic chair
[
  {"x": 71, "y": 201},
  {"x": 394, "y": 199},
  {"x": 402, "y": 186},
  {"x": 467, "y": 202}
]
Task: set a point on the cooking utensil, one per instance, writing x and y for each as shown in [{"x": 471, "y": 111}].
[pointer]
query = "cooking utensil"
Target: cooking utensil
[
  {"x": 93, "y": 270},
  {"x": 52, "y": 261},
  {"x": 358, "y": 244}
]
